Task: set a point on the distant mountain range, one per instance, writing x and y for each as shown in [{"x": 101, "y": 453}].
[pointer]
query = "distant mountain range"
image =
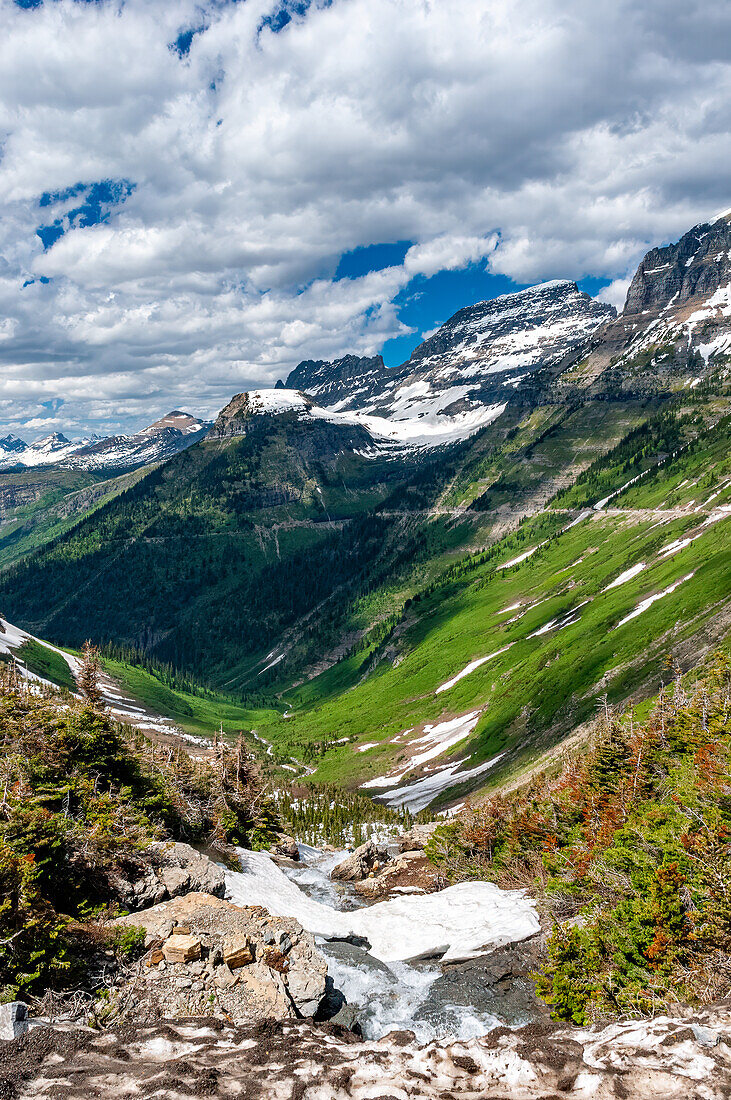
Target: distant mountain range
[{"x": 159, "y": 441}]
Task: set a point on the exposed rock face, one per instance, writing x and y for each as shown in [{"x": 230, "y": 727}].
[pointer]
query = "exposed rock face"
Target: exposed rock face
[
  {"x": 409, "y": 873},
  {"x": 206, "y": 954},
  {"x": 167, "y": 870},
  {"x": 662, "y": 1059},
  {"x": 342, "y": 378},
  {"x": 13, "y": 1020},
  {"x": 677, "y": 317},
  {"x": 417, "y": 836},
  {"x": 366, "y": 859},
  {"x": 695, "y": 267},
  {"x": 287, "y": 848}
]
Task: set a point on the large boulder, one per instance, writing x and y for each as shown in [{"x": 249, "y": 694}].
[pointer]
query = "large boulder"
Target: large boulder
[
  {"x": 365, "y": 860},
  {"x": 409, "y": 872},
  {"x": 417, "y": 836},
  {"x": 167, "y": 869},
  {"x": 207, "y": 955}
]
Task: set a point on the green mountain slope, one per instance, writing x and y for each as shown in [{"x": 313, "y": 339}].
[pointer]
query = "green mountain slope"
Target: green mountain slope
[
  {"x": 433, "y": 620},
  {"x": 594, "y": 608},
  {"x": 38, "y": 505}
]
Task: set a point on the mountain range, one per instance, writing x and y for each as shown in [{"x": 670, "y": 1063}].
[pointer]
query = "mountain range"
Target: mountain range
[
  {"x": 159, "y": 441},
  {"x": 436, "y": 570}
]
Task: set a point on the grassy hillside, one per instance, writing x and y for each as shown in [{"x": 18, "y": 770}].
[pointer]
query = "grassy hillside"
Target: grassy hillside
[
  {"x": 626, "y": 850},
  {"x": 594, "y": 609}
]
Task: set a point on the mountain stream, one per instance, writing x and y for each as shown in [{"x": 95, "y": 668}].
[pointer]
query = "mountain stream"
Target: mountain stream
[{"x": 382, "y": 957}]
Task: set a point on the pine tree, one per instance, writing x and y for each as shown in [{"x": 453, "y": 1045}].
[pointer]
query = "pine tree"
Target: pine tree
[{"x": 88, "y": 676}]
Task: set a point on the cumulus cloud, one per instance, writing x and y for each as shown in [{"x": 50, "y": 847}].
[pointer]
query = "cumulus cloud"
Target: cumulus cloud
[{"x": 542, "y": 138}]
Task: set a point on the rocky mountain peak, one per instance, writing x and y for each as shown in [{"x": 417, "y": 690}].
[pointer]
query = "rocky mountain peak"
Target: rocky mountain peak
[
  {"x": 695, "y": 267},
  {"x": 333, "y": 381},
  {"x": 12, "y": 443}
]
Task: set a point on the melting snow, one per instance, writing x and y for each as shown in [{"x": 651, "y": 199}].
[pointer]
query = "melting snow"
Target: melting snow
[
  {"x": 461, "y": 922},
  {"x": 416, "y": 796},
  {"x": 519, "y": 559},
  {"x": 471, "y": 667},
  {"x": 626, "y": 576},
  {"x": 439, "y": 738},
  {"x": 643, "y": 606}
]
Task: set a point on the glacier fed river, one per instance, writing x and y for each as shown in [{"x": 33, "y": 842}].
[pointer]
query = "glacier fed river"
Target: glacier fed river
[{"x": 382, "y": 957}]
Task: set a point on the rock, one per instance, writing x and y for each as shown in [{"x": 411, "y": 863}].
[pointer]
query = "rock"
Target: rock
[
  {"x": 360, "y": 863},
  {"x": 287, "y": 847},
  {"x": 417, "y": 836},
  {"x": 156, "y": 957},
  {"x": 181, "y": 949},
  {"x": 256, "y": 965},
  {"x": 167, "y": 869},
  {"x": 13, "y": 1020},
  {"x": 408, "y": 873},
  {"x": 237, "y": 951},
  {"x": 275, "y": 960},
  {"x": 224, "y": 977}
]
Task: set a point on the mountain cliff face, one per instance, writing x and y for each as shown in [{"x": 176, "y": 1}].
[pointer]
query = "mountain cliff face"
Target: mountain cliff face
[
  {"x": 339, "y": 380},
  {"x": 159, "y": 441},
  {"x": 676, "y": 323}
]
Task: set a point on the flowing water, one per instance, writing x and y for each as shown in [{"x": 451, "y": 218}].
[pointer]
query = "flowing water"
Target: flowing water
[{"x": 421, "y": 997}]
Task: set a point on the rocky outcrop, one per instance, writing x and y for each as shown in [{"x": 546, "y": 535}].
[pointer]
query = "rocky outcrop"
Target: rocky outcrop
[
  {"x": 13, "y": 1020},
  {"x": 681, "y": 1058},
  {"x": 408, "y": 873},
  {"x": 330, "y": 382},
  {"x": 168, "y": 869},
  {"x": 365, "y": 860},
  {"x": 207, "y": 955},
  {"x": 417, "y": 836},
  {"x": 286, "y": 848}
]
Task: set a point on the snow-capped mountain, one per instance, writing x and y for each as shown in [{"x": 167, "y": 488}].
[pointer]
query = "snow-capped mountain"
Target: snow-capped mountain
[
  {"x": 52, "y": 450},
  {"x": 677, "y": 315},
  {"x": 159, "y": 441},
  {"x": 462, "y": 376}
]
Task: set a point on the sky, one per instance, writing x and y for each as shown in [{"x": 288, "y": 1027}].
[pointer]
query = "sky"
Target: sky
[{"x": 196, "y": 196}]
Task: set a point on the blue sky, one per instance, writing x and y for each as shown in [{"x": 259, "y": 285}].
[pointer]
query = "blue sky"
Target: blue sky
[{"x": 197, "y": 194}]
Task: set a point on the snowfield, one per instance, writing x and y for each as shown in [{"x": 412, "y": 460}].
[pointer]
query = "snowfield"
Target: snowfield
[{"x": 459, "y": 923}]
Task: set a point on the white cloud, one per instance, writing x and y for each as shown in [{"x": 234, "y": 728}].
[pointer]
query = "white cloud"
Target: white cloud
[{"x": 544, "y": 137}]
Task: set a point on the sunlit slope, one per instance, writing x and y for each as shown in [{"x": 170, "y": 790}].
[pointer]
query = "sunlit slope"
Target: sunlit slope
[
  {"x": 594, "y": 608},
  {"x": 37, "y": 506}
]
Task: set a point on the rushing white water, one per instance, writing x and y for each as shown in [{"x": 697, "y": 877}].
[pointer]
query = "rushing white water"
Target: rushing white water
[{"x": 385, "y": 991}]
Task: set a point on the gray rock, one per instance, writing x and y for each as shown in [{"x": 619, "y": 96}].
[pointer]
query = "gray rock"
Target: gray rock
[
  {"x": 13, "y": 1020},
  {"x": 169, "y": 869},
  {"x": 287, "y": 846},
  {"x": 360, "y": 863},
  {"x": 417, "y": 836}
]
